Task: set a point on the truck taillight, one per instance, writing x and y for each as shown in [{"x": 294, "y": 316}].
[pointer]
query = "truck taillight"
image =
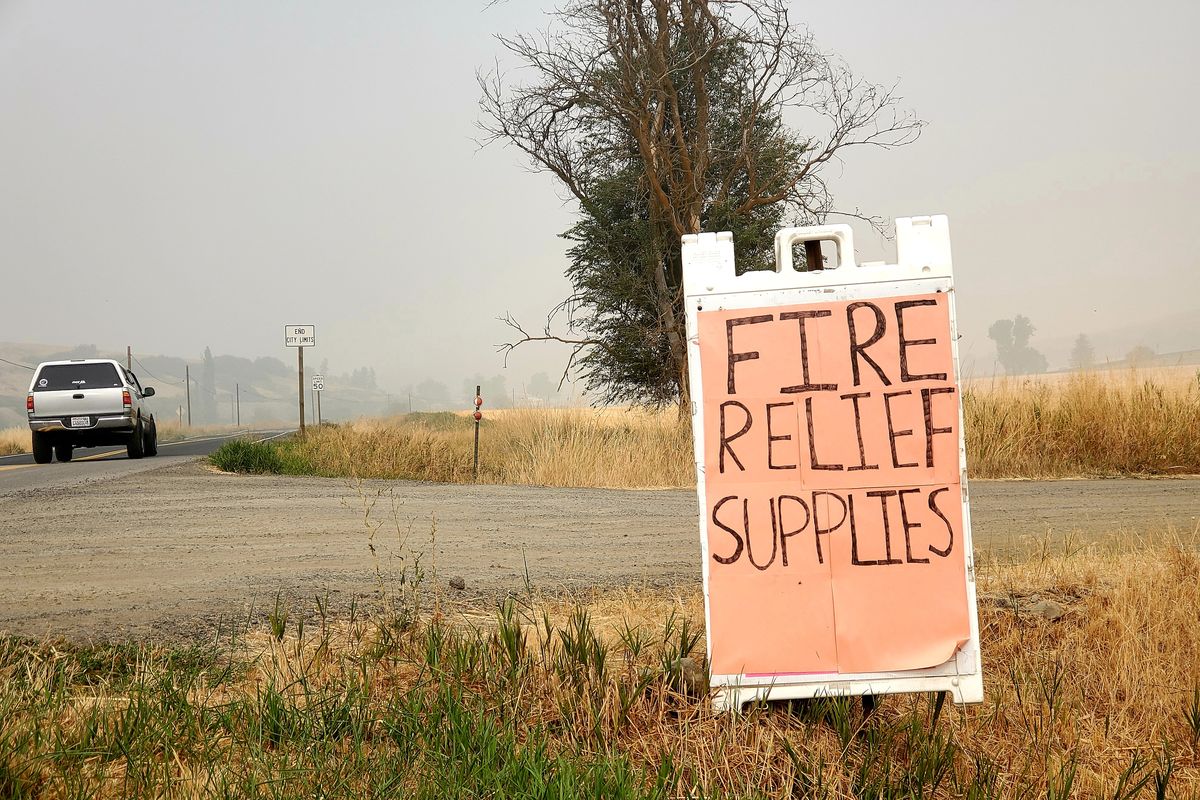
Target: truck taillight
[
  {"x": 29, "y": 403},
  {"x": 126, "y": 399}
]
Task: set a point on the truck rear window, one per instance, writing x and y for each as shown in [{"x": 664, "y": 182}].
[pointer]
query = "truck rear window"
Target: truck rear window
[{"x": 60, "y": 377}]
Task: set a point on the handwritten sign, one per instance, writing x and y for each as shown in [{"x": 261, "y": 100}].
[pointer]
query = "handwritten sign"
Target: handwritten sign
[
  {"x": 833, "y": 430},
  {"x": 829, "y": 450}
]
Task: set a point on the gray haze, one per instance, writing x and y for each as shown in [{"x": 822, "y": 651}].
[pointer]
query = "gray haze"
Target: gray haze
[{"x": 182, "y": 174}]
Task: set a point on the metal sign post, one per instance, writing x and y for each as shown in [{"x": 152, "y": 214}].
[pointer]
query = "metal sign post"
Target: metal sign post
[{"x": 300, "y": 337}]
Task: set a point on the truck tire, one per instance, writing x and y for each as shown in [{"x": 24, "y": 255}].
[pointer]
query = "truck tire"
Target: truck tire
[
  {"x": 136, "y": 446},
  {"x": 63, "y": 452},
  {"x": 43, "y": 450},
  {"x": 152, "y": 439}
]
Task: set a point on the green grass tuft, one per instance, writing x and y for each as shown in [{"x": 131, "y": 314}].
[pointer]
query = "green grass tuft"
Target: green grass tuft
[{"x": 260, "y": 458}]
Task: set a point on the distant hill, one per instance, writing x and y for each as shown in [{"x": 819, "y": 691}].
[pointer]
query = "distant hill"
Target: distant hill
[{"x": 267, "y": 387}]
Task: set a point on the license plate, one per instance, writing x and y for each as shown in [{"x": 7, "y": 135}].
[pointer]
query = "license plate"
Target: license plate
[{"x": 81, "y": 422}]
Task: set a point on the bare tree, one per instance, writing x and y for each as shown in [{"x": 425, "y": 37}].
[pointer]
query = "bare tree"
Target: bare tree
[{"x": 713, "y": 112}]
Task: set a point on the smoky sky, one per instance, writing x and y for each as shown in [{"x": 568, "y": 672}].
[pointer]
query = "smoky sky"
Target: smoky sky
[{"x": 177, "y": 175}]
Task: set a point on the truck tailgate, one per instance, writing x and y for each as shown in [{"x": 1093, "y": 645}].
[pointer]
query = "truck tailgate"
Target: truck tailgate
[{"x": 78, "y": 402}]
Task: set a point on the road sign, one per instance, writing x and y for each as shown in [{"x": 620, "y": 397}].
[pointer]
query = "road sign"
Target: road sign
[
  {"x": 834, "y": 523},
  {"x": 300, "y": 335},
  {"x": 318, "y": 383}
]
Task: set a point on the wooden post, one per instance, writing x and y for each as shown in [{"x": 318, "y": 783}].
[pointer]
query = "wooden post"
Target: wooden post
[
  {"x": 129, "y": 357},
  {"x": 475, "y": 468},
  {"x": 300, "y": 367},
  {"x": 318, "y": 408},
  {"x": 812, "y": 256},
  {"x": 237, "y": 391},
  {"x": 187, "y": 379}
]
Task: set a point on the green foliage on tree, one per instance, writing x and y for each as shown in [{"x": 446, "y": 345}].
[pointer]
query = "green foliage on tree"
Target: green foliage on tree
[{"x": 664, "y": 118}]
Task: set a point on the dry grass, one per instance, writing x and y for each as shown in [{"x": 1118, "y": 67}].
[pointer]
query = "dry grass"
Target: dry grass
[
  {"x": 1082, "y": 424},
  {"x": 579, "y": 695},
  {"x": 15, "y": 440},
  {"x": 545, "y": 447},
  {"x": 1091, "y": 424}
]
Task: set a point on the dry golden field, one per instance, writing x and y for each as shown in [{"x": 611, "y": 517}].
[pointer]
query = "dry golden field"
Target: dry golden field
[{"x": 1081, "y": 424}]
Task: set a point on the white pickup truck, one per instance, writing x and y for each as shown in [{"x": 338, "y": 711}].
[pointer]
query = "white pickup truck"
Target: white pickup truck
[{"x": 88, "y": 403}]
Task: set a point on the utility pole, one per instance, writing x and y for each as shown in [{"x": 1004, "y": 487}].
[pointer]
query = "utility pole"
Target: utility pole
[
  {"x": 129, "y": 357},
  {"x": 237, "y": 392},
  {"x": 187, "y": 379}
]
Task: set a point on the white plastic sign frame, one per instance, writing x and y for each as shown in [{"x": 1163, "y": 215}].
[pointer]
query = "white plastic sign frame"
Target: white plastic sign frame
[{"x": 711, "y": 283}]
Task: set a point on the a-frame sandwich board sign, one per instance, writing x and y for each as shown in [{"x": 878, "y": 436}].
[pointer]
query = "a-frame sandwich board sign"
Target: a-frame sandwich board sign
[{"x": 835, "y": 528}]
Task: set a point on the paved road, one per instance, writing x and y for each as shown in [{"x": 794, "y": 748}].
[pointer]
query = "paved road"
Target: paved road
[
  {"x": 19, "y": 473},
  {"x": 176, "y": 546}
]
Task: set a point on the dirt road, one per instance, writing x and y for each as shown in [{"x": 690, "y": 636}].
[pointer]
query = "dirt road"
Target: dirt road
[{"x": 175, "y": 549}]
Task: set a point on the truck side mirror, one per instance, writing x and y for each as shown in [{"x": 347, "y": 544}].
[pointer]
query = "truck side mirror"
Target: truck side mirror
[{"x": 148, "y": 391}]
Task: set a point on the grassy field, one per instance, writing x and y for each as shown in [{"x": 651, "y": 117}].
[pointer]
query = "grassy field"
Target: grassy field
[
  {"x": 548, "y": 447},
  {"x": 1084, "y": 424},
  {"x": 586, "y": 697}
]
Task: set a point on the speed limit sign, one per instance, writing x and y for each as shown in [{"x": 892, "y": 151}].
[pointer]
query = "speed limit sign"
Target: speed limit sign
[{"x": 318, "y": 383}]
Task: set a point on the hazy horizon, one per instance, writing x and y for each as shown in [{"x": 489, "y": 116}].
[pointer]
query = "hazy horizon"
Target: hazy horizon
[{"x": 195, "y": 174}]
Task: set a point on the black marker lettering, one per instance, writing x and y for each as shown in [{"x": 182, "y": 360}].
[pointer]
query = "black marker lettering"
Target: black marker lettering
[
  {"x": 906, "y": 343},
  {"x": 859, "y": 350},
  {"x": 894, "y": 434},
  {"x": 808, "y": 385},
  {"x": 930, "y": 431},
  {"x": 908, "y": 526},
  {"x": 771, "y": 439},
  {"x": 812, "y": 443},
  {"x": 725, "y": 440},
  {"x": 774, "y": 538},
  {"x": 737, "y": 553},
  {"x": 949, "y": 528},
  {"x": 862, "y": 450},
  {"x": 785, "y": 534},
  {"x": 736, "y": 357},
  {"x": 883, "y": 496},
  {"x": 818, "y": 531}
]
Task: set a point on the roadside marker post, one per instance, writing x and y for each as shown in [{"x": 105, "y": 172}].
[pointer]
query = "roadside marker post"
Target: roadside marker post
[
  {"x": 478, "y": 415},
  {"x": 300, "y": 337},
  {"x": 835, "y": 529}
]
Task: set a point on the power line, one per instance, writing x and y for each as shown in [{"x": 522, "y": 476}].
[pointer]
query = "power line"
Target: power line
[
  {"x": 152, "y": 375},
  {"x": 15, "y": 364}
]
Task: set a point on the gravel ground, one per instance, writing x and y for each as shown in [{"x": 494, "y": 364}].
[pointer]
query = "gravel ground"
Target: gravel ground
[{"x": 178, "y": 550}]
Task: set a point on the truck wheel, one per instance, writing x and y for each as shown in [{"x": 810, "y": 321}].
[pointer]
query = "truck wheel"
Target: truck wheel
[
  {"x": 136, "y": 446},
  {"x": 63, "y": 452},
  {"x": 43, "y": 450},
  {"x": 152, "y": 439}
]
